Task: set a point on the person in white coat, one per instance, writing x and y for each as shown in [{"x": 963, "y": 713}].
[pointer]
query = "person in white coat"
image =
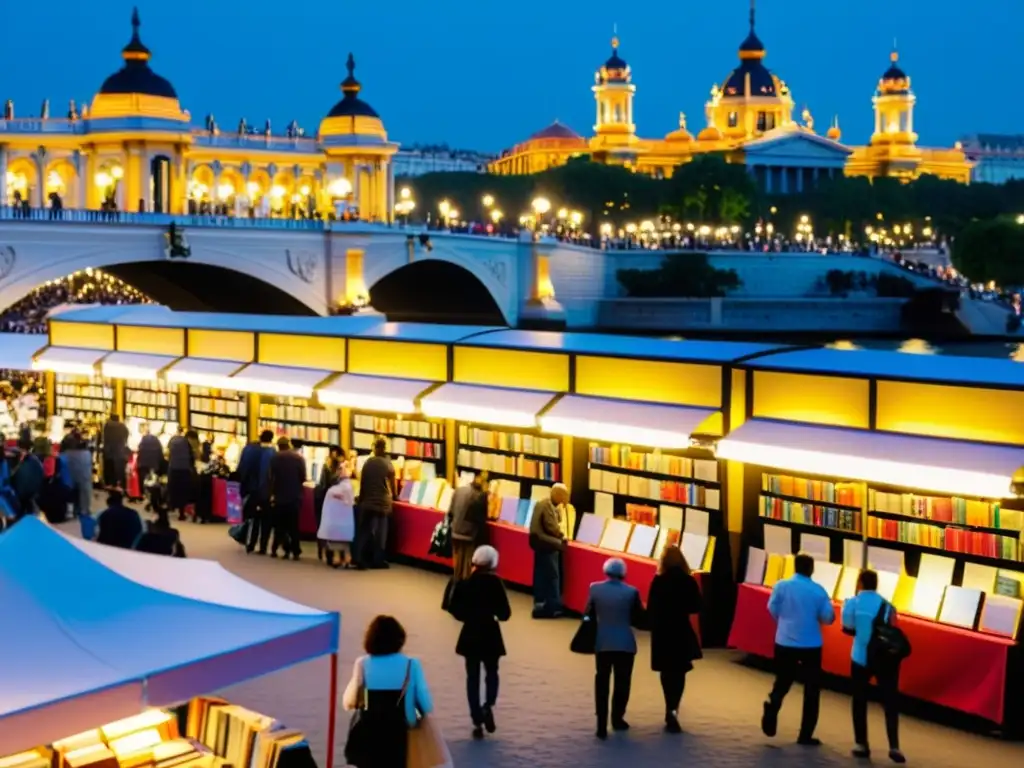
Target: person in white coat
[{"x": 338, "y": 521}]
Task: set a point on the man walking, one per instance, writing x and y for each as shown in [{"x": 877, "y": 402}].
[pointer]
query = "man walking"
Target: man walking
[
  {"x": 287, "y": 478},
  {"x": 115, "y": 452},
  {"x": 376, "y": 493},
  {"x": 469, "y": 524},
  {"x": 800, "y": 606},
  {"x": 254, "y": 485},
  {"x": 547, "y": 541}
]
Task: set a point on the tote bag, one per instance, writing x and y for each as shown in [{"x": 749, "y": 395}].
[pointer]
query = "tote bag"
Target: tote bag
[{"x": 427, "y": 748}]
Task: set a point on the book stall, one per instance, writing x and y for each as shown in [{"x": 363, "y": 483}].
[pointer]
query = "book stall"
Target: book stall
[
  {"x": 84, "y": 694},
  {"x": 80, "y": 393},
  {"x": 17, "y": 407}
]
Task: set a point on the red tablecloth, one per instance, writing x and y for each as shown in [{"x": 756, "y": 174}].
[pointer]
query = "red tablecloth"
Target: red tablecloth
[
  {"x": 307, "y": 512},
  {"x": 219, "y": 500},
  {"x": 515, "y": 558},
  {"x": 952, "y": 667}
]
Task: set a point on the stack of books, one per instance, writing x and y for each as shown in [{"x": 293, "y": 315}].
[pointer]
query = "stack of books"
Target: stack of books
[
  {"x": 844, "y": 494},
  {"x": 810, "y": 513}
]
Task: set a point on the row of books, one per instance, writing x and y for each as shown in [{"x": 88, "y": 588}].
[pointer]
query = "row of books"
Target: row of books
[
  {"x": 69, "y": 406},
  {"x": 242, "y": 738},
  {"x": 223, "y": 424},
  {"x": 221, "y": 406},
  {"x": 299, "y": 411},
  {"x": 951, "y": 539},
  {"x": 810, "y": 514},
  {"x": 139, "y": 393},
  {"x": 363, "y": 441},
  {"x": 678, "y": 466},
  {"x": 846, "y": 494},
  {"x": 681, "y": 492},
  {"x": 533, "y": 469},
  {"x": 930, "y": 595},
  {"x": 947, "y": 510},
  {"x": 424, "y": 430},
  {"x": 85, "y": 388},
  {"x": 433, "y": 492},
  {"x": 641, "y": 540},
  {"x": 150, "y": 412},
  {"x": 310, "y": 433},
  {"x": 515, "y": 442}
]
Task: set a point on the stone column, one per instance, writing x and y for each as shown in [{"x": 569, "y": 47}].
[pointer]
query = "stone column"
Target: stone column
[
  {"x": 390, "y": 171},
  {"x": 769, "y": 171},
  {"x": 3, "y": 173},
  {"x": 799, "y": 180},
  {"x": 89, "y": 182},
  {"x": 784, "y": 186},
  {"x": 878, "y": 120}
]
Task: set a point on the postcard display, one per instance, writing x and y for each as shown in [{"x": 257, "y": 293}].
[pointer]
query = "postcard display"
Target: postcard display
[
  {"x": 945, "y": 558},
  {"x": 205, "y": 733}
]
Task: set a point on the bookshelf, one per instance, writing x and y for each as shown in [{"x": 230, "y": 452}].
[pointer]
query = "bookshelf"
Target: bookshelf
[
  {"x": 812, "y": 503},
  {"x": 298, "y": 418},
  {"x": 76, "y": 396},
  {"x": 151, "y": 401},
  {"x": 411, "y": 438},
  {"x": 525, "y": 456},
  {"x": 220, "y": 412}
]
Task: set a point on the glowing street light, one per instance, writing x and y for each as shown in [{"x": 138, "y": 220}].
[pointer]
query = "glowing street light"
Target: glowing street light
[
  {"x": 496, "y": 215},
  {"x": 340, "y": 187},
  {"x": 576, "y": 218},
  {"x": 541, "y": 205},
  {"x": 117, "y": 173},
  {"x": 103, "y": 179},
  {"x": 405, "y": 193},
  {"x": 488, "y": 201}
]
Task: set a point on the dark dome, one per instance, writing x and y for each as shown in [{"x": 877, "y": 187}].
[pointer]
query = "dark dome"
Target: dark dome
[
  {"x": 895, "y": 80},
  {"x": 136, "y": 76},
  {"x": 752, "y": 44},
  {"x": 761, "y": 81},
  {"x": 615, "y": 61},
  {"x": 894, "y": 73},
  {"x": 615, "y": 70},
  {"x": 556, "y": 131},
  {"x": 351, "y": 105}
]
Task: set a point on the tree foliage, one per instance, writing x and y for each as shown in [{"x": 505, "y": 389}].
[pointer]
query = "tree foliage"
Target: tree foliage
[
  {"x": 688, "y": 275},
  {"x": 992, "y": 249}
]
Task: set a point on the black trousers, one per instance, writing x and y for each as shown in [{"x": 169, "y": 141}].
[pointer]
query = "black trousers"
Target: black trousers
[
  {"x": 888, "y": 689},
  {"x": 490, "y": 666},
  {"x": 803, "y": 664},
  {"x": 261, "y": 514},
  {"x": 286, "y": 528},
  {"x": 621, "y": 664},
  {"x": 371, "y": 538},
  {"x": 673, "y": 684}
]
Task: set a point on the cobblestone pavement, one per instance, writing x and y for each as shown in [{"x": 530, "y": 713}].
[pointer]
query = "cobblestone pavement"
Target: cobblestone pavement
[{"x": 545, "y": 707}]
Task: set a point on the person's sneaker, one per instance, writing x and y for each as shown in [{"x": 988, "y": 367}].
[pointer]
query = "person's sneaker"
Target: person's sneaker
[
  {"x": 489, "y": 723},
  {"x": 620, "y": 725},
  {"x": 896, "y": 756},
  {"x": 478, "y": 732},
  {"x": 672, "y": 723},
  {"x": 808, "y": 741},
  {"x": 861, "y": 752},
  {"x": 769, "y": 720}
]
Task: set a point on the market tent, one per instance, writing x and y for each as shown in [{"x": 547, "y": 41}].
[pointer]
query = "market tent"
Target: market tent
[{"x": 96, "y": 634}]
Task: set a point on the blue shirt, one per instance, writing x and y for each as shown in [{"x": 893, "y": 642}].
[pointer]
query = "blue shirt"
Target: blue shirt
[
  {"x": 387, "y": 673},
  {"x": 859, "y": 614},
  {"x": 800, "y": 606}
]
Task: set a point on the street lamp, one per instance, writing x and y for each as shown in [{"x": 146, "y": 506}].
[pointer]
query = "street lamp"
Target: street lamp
[
  {"x": 405, "y": 193},
  {"x": 488, "y": 201},
  {"x": 445, "y": 209},
  {"x": 496, "y": 215},
  {"x": 540, "y": 205},
  {"x": 576, "y": 218},
  {"x": 339, "y": 188}
]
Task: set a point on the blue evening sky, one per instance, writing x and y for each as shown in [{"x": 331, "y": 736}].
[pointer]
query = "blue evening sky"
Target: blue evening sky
[{"x": 483, "y": 75}]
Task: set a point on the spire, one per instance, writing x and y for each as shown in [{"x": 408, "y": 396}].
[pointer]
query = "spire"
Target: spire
[
  {"x": 350, "y": 86},
  {"x": 615, "y": 38},
  {"x": 753, "y": 13},
  {"x": 135, "y": 50},
  {"x": 752, "y": 47}
]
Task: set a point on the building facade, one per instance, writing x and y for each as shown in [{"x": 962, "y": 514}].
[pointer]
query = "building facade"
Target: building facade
[
  {"x": 748, "y": 119},
  {"x": 417, "y": 159},
  {"x": 997, "y": 158},
  {"x": 134, "y": 148}
]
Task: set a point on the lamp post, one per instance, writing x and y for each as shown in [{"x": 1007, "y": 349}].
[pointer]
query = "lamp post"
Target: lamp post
[
  {"x": 340, "y": 189},
  {"x": 540, "y": 205},
  {"x": 445, "y": 209}
]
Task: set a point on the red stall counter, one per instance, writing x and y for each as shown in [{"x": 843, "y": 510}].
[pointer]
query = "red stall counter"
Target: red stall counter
[
  {"x": 307, "y": 512},
  {"x": 949, "y": 666},
  {"x": 219, "y": 500}
]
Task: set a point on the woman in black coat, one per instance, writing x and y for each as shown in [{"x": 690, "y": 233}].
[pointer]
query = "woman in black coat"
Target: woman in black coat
[
  {"x": 480, "y": 602},
  {"x": 673, "y": 598}
]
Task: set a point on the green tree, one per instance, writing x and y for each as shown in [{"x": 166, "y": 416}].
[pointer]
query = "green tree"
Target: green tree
[
  {"x": 991, "y": 250},
  {"x": 688, "y": 275}
]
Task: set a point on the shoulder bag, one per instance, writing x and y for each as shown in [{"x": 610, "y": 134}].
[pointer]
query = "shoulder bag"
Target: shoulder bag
[
  {"x": 359, "y": 746},
  {"x": 888, "y": 643},
  {"x": 585, "y": 639}
]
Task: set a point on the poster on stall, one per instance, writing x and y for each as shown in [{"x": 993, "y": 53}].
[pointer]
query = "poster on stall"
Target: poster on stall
[{"x": 234, "y": 499}]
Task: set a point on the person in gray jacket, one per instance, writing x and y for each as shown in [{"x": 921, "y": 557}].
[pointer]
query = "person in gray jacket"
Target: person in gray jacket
[
  {"x": 547, "y": 541},
  {"x": 78, "y": 455},
  {"x": 616, "y": 607}
]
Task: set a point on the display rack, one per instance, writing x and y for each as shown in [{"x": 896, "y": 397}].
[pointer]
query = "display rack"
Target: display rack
[
  {"x": 219, "y": 412},
  {"x": 812, "y": 503},
  {"x": 298, "y": 418},
  {"x": 524, "y": 456},
  {"x": 151, "y": 401},
  {"x": 85, "y": 396},
  {"x": 411, "y": 438}
]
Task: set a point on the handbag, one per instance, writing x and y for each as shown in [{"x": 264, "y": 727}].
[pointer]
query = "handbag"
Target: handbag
[
  {"x": 585, "y": 639},
  {"x": 441, "y": 538},
  {"x": 240, "y": 532},
  {"x": 359, "y": 745},
  {"x": 427, "y": 747},
  {"x": 888, "y": 644}
]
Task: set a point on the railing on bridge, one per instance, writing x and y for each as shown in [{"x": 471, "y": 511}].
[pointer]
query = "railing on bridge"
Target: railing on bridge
[
  {"x": 75, "y": 216},
  {"x": 255, "y": 141}
]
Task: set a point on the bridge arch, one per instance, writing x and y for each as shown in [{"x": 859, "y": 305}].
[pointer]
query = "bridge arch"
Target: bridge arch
[{"x": 436, "y": 290}]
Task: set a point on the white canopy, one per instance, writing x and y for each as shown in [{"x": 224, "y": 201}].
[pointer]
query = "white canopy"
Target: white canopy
[
  {"x": 281, "y": 380},
  {"x": 373, "y": 393},
  {"x": 18, "y": 349},
  {"x": 201, "y": 372},
  {"x": 501, "y": 406},
  {"x": 134, "y": 365},
  {"x": 73, "y": 361},
  {"x": 102, "y": 633}
]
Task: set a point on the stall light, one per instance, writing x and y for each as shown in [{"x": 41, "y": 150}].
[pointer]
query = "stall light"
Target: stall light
[
  {"x": 615, "y": 433},
  {"x": 67, "y": 367},
  {"x": 499, "y": 417},
  {"x": 957, "y": 482}
]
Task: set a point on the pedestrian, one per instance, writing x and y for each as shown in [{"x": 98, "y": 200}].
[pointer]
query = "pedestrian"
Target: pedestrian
[
  {"x": 254, "y": 486},
  {"x": 616, "y": 608},
  {"x": 149, "y": 456},
  {"x": 181, "y": 467},
  {"x": 160, "y": 538},
  {"x": 547, "y": 540},
  {"x": 376, "y": 495},
  {"x": 674, "y": 597},
  {"x": 860, "y": 613},
  {"x": 800, "y": 607},
  {"x": 337, "y": 526},
  {"x": 480, "y": 602},
  {"x": 78, "y": 456},
  {"x": 330, "y": 474},
  {"x": 287, "y": 481},
  {"x": 27, "y": 480},
  {"x": 390, "y": 690},
  {"x": 115, "y": 452},
  {"x": 118, "y": 525},
  {"x": 469, "y": 524}
]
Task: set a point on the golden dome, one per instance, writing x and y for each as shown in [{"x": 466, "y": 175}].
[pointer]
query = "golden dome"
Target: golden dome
[
  {"x": 711, "y": 133},
  {"x": 352, "y": 116},
  {"x": 833, "y": 132},
  {"x": 680, "y": 134}
]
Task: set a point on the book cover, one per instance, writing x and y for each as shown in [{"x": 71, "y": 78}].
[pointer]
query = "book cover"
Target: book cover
[
  {"x": 591, "y": 529},
  {"x": 778, "y": 540},
  {"x": 960, "y": 607},
  {"x": 509, "y": 510},
  {"x": 827, "y": 575},
  {"x": 757, "y": 560},
  {"x": 815, "y": 545},
  {"x": 642, "y": 541},
  {"x": 666, "y": 537},
  {"x": 604, "y": 505},
  {"x": 1001, "y": 616},
  {"x": 847, "y": 586},
  {"x": 694, "y": 546},
  {"x": 616, "y": 535},
  {"x": 697, "y": 521}
]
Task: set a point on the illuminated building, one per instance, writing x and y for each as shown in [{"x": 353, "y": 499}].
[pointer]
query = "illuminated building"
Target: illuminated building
[
  {"x": 998, "y": 158},
  {"x": 749, "y": 119},
  {"x": 416, "y": 160},
  {"x": 137, "y": 148}
]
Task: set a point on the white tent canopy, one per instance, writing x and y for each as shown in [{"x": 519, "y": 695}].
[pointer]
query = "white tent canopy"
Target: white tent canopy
[{"x": 97, "y": 634}]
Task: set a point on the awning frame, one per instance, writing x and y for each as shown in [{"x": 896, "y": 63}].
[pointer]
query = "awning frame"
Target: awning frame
[
  {"x": 470, "y": 403},
  {"x": 404, "y": 399},
  {"x": 279, "y": 380}
]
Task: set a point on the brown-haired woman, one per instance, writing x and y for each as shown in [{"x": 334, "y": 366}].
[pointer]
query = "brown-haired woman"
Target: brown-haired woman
[{"x": 674, "y": 596}]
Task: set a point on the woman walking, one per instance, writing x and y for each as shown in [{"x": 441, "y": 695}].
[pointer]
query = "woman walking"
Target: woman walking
[
  {"x": 329, "y": 475},
  {"x": 390, "y": 692},
  {"x": 480, "y": 602},
  {"x": 673, "y": 598},
  {"x": 616, "y": 607}
]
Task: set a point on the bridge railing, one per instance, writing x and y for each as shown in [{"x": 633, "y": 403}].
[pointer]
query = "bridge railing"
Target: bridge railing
[{"x": 76, "y": 216}]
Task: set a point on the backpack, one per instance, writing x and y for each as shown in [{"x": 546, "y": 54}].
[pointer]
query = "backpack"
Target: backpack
[{"x": 888, "y": 644}]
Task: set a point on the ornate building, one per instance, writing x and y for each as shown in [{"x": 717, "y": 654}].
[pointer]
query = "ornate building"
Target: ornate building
[
  {"x": 135, "y": 148},
  {"x": 749, "y": 119}
]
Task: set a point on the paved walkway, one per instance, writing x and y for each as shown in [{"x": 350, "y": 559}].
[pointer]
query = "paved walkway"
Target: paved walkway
[{"x": 545, "y": 708}]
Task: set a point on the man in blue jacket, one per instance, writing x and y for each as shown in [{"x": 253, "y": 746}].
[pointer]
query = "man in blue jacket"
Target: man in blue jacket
[{"x": 254, "y": 482}]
